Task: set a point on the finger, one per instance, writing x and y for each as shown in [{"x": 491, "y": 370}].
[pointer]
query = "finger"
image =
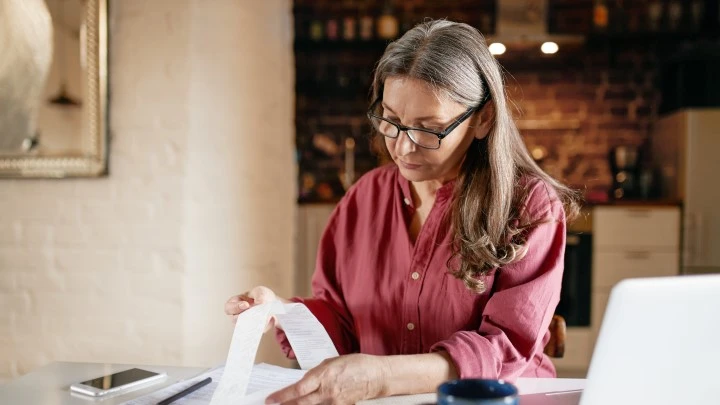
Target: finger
[
  {"x": 235, "y": 298},
  {"x": 304, "y": 387},
  {"x": 261, "y": 294},
  {"x": 236, "y": 307},
  {"x": 239, "y": 298},
  {"x": 313, "y": 398}
]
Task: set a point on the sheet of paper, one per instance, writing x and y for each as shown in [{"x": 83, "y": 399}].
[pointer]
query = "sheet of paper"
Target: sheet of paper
[
  {"x": 256, "y": 398},
  {"x": 268, "y": 377},
  {"x": 307, "y": 336},
  {"x": 239, "y": 380},
  {"x": 264, "y": 379},
  {"x": 241, "y": 356},
  {"x": 419, "y": 399},
  {"x": 199, "y": 397}
]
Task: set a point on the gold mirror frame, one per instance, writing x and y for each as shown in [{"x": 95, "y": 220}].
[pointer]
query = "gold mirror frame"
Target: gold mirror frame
[{"x": 93, "y": 162}]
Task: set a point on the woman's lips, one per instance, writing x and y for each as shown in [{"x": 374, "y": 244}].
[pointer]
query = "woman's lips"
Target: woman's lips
[{"x": 410, "y": 166}]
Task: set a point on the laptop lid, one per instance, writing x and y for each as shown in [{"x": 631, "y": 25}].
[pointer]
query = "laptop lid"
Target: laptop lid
[{"x": 659, "y": 343}]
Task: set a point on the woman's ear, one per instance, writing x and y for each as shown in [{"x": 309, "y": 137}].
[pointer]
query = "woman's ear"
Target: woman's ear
[{"x": 484, "y": 120}]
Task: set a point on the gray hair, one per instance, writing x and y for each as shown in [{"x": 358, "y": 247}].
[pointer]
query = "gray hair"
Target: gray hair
[{"x": 455, "y": 60}]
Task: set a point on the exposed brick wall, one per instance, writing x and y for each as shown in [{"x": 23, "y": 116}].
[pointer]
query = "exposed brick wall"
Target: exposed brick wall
[
  {"x": 614, "y": 103},
  {"x": 608, "y": 87}
]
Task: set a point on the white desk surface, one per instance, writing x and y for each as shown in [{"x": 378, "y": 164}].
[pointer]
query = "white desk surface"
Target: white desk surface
[{"x": 50, "y": 385}]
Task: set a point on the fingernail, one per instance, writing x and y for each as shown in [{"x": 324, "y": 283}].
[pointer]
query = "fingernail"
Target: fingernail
[{"x": 243, "y": 305}]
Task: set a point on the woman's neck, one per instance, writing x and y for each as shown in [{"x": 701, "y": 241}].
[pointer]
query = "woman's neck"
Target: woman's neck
[{"x": 424, "y": 192}]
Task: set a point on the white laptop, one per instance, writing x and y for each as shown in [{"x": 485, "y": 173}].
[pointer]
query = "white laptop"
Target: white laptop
[{"x": 659, "y": 344}]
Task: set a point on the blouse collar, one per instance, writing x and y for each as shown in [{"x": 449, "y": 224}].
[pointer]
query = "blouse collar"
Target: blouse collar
[{"x": 443, "y": 193}]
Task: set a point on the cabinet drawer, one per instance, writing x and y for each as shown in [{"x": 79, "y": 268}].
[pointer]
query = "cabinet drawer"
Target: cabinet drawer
[
  {"x": 650, "y": 227},
  {"x": 611, "y": 267}
]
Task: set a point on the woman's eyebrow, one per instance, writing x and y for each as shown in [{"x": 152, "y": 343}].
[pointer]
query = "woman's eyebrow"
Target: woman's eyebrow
[
  {"x": 385, "y": 106},
  {"x": 418, "y": 119}
]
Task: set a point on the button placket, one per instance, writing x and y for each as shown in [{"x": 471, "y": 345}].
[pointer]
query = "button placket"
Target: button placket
[{"x": 422, "y": 254}]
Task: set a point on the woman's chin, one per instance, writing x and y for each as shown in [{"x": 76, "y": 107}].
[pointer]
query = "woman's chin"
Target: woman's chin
[{"x": 413, "y": 175}]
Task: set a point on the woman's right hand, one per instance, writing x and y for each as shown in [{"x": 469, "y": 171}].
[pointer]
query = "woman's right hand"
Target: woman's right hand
[{"x": 238, "y": 304}]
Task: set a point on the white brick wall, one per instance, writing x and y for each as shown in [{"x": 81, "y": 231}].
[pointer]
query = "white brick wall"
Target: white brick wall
[{"x": 199, "y": 203}]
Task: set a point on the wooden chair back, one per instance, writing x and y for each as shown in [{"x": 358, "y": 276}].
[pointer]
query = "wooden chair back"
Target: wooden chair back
[{"x": 555, "y": 347}]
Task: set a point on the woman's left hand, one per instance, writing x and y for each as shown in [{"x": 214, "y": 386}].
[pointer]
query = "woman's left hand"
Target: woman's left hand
[{"x": 340, "y": 380}]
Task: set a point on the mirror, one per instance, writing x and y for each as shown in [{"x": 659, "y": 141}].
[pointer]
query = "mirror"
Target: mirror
[{"x": 53, "y": 88}]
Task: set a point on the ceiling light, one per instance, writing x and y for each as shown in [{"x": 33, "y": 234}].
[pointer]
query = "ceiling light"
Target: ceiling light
[
  {"x": 549, "y": 47},
  {"x": 496, "y": 48}
]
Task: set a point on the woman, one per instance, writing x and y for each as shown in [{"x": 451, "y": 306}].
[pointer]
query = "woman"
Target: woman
[{"x": 447, "y": 263}]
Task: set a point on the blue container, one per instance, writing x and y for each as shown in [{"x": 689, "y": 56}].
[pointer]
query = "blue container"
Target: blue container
[{"x": 477, "y": 392}]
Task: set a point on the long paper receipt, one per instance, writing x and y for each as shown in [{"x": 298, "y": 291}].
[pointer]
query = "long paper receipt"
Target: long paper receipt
[
  {"x": 241, "y": 382},
  {"x": 306, "y": 335}
]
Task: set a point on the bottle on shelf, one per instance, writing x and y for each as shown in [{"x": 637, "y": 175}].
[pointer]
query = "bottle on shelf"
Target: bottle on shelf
[
  {"x": 600, "y": 15},
  {"x": 332, "y": 24},
  {"x": 686, "y": 17},
  {"x": 675, "y": 14},
  {"x": 331, "y": 30},
  {"x": 618, "y": 19},
  {"x": 367, "y": 23},
  {"x": 654, "y": 12},
  {"x": 387, "y": 24},
  {"x": 697, "y": 8},
  {"x": 664, "y": 24},
  {"x": 316, "y": 30},
  {"x": 349, "y": 28}
]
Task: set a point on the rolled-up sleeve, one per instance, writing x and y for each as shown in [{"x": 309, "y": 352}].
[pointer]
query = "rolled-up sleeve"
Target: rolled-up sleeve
[
  {"x": 515, "y": 321},
  {"x": 327, "y": 303}
]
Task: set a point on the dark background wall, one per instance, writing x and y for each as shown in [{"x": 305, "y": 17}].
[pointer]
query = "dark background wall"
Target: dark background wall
[{"x": 572, "y": 107}]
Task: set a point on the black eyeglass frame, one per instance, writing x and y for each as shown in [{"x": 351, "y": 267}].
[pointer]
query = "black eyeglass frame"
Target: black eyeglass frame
[{"x": 440, "y": 135}]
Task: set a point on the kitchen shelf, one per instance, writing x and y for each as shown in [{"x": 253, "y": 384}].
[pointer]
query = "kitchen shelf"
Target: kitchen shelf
[
  {"x": 644, "y": 38},
  {"x": 308, "y": 45}
]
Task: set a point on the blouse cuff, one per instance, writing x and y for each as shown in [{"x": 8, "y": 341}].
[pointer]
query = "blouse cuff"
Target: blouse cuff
[{"x": 474, "y": 357}]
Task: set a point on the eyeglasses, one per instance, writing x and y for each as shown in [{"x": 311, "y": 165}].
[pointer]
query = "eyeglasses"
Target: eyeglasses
[{"x": 422, "y": 137}]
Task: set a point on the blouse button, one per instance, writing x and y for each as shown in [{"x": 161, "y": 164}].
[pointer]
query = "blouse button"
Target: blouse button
[
  {"x": 411, "y": 326},
  {"x": 415, "y": 275},
  {"x": 406, "y": 201}
]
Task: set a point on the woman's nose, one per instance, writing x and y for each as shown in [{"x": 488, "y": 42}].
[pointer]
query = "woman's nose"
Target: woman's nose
[{"x": 404, "y": 145}]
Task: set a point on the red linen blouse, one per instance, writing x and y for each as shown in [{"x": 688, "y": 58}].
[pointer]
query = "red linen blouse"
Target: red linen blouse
[{"x": 377, "y": 292}]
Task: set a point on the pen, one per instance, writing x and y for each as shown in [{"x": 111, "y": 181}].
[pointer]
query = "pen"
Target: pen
[{"x": 186, "y": 391}]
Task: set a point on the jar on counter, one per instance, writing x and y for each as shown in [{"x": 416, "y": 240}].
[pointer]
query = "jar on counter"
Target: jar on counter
[
  {"x": 366, "y": 25},
  {"x": 387, "y": 25}
]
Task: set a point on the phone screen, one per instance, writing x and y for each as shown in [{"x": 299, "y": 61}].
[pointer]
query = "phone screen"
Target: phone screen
[{"x": 118, "y": 379}]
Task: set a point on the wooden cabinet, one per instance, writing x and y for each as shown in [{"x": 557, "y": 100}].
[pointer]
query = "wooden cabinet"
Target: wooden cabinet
[
  {"x": 619, "y": 229},
  {"x": 628, "y": 242}
]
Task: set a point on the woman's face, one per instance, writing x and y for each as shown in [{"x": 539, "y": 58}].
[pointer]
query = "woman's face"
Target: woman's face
[{"x": 412, "y": 102}]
